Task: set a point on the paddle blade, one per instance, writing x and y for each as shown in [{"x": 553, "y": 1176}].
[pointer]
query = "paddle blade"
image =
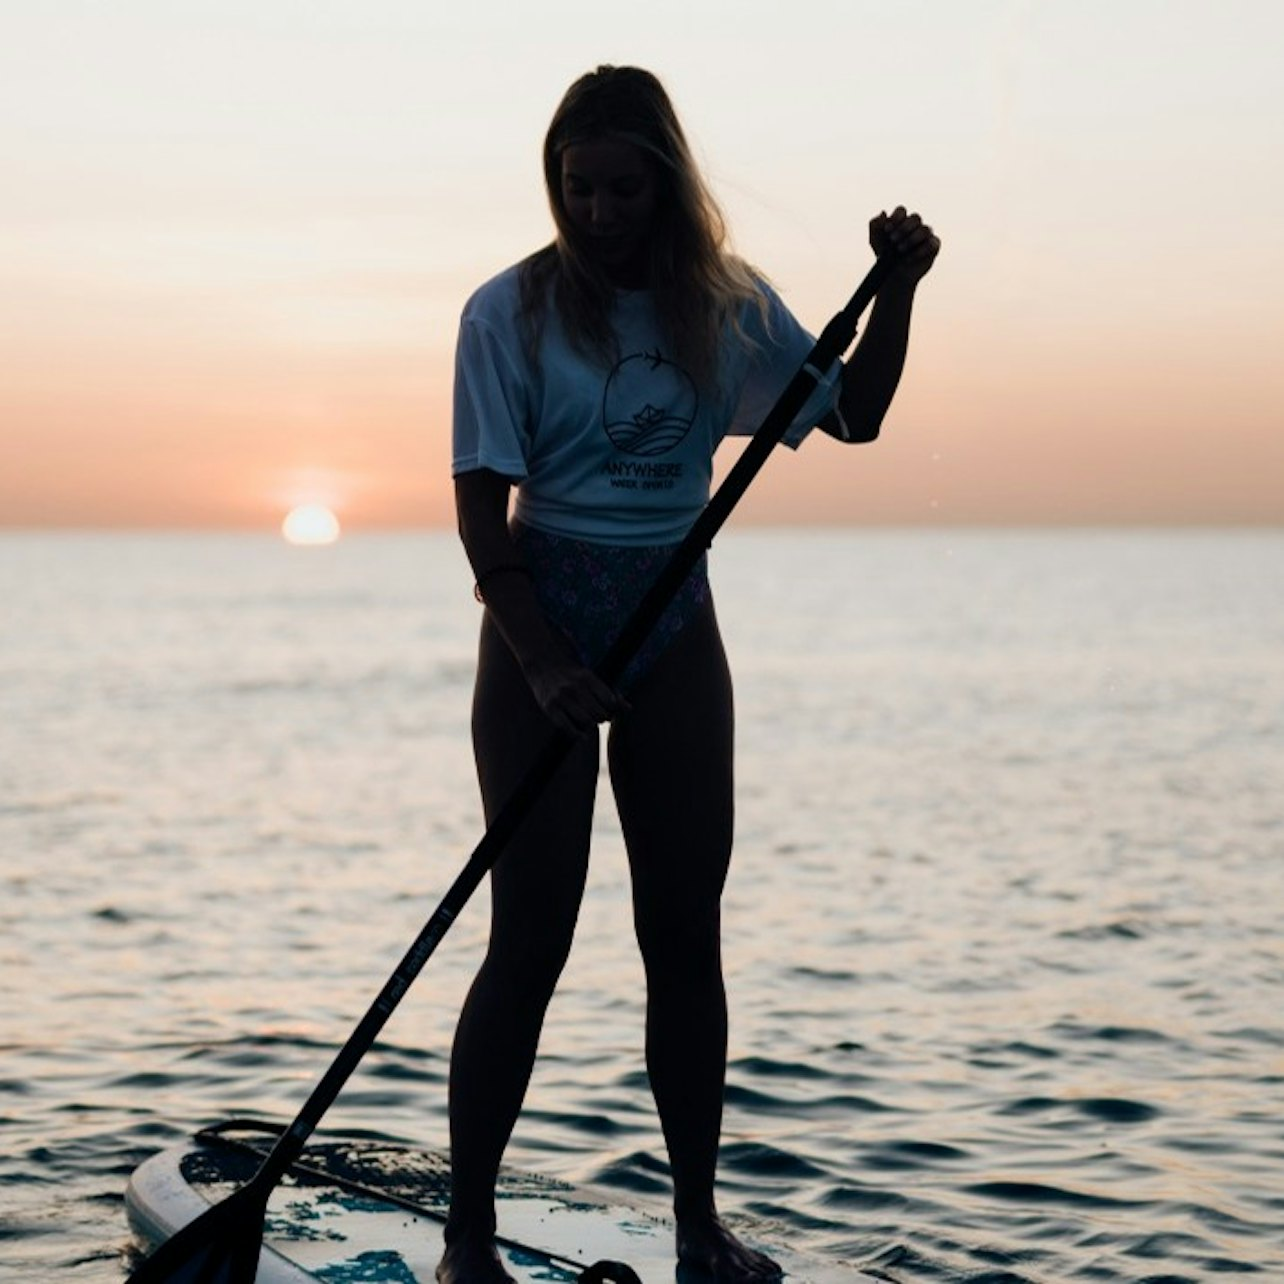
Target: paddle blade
[{"x": 220, "y": 1247}]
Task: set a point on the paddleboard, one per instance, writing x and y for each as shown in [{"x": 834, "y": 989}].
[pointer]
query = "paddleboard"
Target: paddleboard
[{"x": 356, "y": 1209}]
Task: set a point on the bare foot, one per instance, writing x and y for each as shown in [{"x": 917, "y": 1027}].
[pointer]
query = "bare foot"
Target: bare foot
[
  {"x": 472, "y": 1261},
  {"x": 711, "y": 1249}
]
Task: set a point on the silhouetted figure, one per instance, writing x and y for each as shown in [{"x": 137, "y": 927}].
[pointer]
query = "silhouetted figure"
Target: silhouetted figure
[{"x": 596, "y": 377}]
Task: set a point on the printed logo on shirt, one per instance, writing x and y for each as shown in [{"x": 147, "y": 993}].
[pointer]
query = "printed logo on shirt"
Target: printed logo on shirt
[{"x": 649, "y": 404}]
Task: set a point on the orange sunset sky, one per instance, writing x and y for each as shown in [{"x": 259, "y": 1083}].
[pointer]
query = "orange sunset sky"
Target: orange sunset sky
[{"x": 236, "y": 237}]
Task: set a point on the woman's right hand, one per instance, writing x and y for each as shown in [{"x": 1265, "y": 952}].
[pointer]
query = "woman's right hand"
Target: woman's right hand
[{"x": 573, "y": 697}]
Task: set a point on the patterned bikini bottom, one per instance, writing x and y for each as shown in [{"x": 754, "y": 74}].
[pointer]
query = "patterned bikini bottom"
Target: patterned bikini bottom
[{"x": 589, "y": 590}]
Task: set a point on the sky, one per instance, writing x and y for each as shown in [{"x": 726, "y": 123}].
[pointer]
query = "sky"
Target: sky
[{"x": 236, "y": 236}]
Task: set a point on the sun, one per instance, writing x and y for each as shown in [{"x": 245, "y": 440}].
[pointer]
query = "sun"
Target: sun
[{"x": 310, "y": 524}]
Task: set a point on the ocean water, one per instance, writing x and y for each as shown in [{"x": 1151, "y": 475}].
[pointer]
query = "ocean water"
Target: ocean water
[{"x": 1003, "y": 933}]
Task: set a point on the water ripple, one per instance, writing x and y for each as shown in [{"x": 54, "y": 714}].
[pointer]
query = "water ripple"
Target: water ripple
[{"x": 1001, "y": 944}]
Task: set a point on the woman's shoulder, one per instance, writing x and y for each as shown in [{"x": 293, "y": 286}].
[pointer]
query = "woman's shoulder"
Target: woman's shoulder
[
  {"x": 760, "y": 306},
  {"x": 500, "y": 301},
  {"x": 763, "y": 292},
  {"x": 497, "y": 301}
]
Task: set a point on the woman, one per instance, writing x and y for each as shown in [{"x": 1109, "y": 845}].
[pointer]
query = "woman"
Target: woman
[{"x": 597, "y": 377}]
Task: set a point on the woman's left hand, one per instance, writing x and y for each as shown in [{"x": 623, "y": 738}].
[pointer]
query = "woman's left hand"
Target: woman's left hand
[{"x": 904, "y": 235}]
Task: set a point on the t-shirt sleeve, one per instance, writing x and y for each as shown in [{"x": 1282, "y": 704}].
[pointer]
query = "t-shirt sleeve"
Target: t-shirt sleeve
[
  {"x": 777, "y": 349},
  {"x": 491, "y": 415}
]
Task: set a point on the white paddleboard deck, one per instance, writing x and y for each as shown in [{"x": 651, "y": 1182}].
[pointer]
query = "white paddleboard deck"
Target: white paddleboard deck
[{"x": 340, "y": 1221}]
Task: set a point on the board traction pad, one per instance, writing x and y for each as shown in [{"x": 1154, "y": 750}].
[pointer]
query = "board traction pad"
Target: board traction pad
[{"x": 317, "y": 1230}]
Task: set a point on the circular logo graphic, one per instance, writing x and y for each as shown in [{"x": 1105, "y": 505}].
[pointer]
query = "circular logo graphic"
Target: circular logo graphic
[{"x": 649, "y": 404}]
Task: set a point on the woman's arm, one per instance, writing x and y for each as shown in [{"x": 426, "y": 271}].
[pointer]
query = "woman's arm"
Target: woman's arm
[
  {"x": 872, "y": 373},
  {"x": 572, "y": 696}
]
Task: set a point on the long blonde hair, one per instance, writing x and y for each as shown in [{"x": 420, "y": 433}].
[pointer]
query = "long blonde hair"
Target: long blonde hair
[{"x": 699, "y": 285}]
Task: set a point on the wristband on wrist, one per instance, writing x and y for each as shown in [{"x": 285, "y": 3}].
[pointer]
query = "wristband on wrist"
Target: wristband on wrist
[{"x": 491, "y": 571}]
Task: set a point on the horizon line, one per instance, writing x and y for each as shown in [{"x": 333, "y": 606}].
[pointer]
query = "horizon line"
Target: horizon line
[{"x": 427, "y": 528}]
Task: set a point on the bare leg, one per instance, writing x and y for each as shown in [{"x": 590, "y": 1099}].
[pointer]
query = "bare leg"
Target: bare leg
[
  {"x": 536, "y": 889},
  {"x": 671, "y": 769}
]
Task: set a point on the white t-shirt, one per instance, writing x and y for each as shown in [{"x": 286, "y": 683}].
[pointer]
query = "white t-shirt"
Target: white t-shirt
[{"x": 620, "y": 455}]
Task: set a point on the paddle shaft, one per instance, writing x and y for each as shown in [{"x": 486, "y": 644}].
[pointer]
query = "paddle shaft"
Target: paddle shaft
[{"x": 834, "y": 340}]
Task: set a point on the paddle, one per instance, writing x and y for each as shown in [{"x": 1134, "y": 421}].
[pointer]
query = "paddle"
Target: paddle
[{"x": 221, "y": 1245}]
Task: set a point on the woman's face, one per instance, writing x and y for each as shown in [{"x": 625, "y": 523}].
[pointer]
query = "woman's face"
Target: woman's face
[{"x": 609, "y": 194}]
